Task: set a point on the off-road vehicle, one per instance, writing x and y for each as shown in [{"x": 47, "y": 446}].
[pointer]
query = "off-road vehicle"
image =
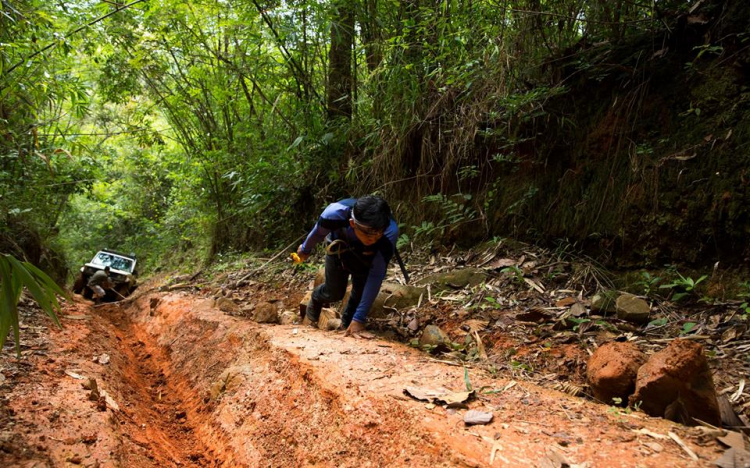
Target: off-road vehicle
[{"x": 122, "y": 273}]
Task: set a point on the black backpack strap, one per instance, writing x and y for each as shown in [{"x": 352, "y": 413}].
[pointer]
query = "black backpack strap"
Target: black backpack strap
[{"x": 401, "y": 265}]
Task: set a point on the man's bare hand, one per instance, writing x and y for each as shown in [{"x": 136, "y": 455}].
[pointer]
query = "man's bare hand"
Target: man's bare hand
[{"x": 355, "y": 328}]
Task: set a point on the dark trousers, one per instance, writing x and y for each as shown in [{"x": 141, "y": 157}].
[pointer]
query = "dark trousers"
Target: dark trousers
[{"x": 334, "y": 288}]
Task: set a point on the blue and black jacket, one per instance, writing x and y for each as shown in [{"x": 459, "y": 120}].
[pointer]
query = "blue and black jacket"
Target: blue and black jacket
[{"x": 370, "y": 260}]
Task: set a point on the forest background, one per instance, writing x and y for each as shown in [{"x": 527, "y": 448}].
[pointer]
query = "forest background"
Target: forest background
[{"x": 189, "y": 131}]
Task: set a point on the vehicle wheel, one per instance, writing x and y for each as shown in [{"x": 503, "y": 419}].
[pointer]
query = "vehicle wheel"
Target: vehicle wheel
[
  {"x": 79, "y": 284},
  {"x": 87, "y": 293}
]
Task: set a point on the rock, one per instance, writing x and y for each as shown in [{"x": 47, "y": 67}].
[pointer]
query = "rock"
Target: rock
[
  {"x": 680, "y": 373},
  {"x": 474, "y": 417},
  {"x": 327, "y": 315},
  {"x": 612, "y": 371},
  {"x": 391, "y": 296},
  {"x": 227, "y": 305},
  {"x": 266, "y": 312},
  {"x": 434, "y": 336},
  {"x": 456, "y": 279},
  {"x": 632, "y": 308},
  {"x": 333, "y": 324},
  {"x": 604, "y": 301},
  {"x": 288, "y": 317},
  {"x": 229, "y": 380},
  {"x": 320, "y": 277},
  {"x": 303, "y": 304}
]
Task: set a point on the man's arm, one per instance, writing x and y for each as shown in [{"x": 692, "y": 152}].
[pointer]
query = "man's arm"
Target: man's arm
[
  {"x": 317, "y": 234},
  {"x": 377, "y": 275},
  {"x": 335, "y": 215},
  {"x": 372, "y": 288}
]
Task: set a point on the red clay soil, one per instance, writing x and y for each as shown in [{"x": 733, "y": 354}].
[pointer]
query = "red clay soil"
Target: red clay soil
[{"x": 196, "y": 387}]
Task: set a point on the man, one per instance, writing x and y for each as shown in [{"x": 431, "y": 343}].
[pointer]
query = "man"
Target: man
[
  {"x": 360, "y": 241},
  {"x": 98, "y": 282}
]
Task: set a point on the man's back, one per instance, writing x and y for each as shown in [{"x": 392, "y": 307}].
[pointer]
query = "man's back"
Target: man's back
[{"x": 98, "y": 278}]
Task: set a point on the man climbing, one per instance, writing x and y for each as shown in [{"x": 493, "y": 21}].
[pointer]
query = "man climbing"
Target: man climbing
[
  {"x": 360, "y": 237},
  {"x": 98, "y": 282}
]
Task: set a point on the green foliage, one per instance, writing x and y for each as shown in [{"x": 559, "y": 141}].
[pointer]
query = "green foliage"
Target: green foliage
[
  {"x": 647, "y": 282},
  {"x": 515, "y": 271},
  {"x": 14, "y": 276},
  {"x": 745, "y": 294},
  {"x": 687, "y": 327},
  {"x": 682, "y": 286},
  {"x": 578, "y": 322},
  {"x": 466, "y": 379},
  {"x": 658, "y": 322},
  {"x": 452, "y": 212}
]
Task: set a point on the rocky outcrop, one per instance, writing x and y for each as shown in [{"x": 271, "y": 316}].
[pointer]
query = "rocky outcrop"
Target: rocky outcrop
[
  {"x": 677, "y": 383},
  {"x": 612, "y": 371},
  {"x": 455, "y": 279}
]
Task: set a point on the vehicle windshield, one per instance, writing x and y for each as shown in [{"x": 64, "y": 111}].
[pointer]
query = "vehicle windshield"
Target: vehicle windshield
[{"x": 113, "y": 261}]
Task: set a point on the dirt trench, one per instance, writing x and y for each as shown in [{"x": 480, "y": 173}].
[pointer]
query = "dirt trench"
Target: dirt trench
[{"x": 191, "y": 386}]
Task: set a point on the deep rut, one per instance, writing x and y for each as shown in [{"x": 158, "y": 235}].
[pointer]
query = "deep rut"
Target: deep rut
[{"x": 160, "y": 409}]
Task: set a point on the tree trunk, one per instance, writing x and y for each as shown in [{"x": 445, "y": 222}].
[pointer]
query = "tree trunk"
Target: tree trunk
[
  {"x": 371, "y": 34},
  {"x": 339, "y": 102}
]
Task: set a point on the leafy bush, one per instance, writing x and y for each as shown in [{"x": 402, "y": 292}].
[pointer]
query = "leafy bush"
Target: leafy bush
[{"x": 682, "y": 286}]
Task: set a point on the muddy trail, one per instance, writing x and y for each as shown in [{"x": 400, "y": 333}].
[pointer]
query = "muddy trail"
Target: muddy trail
[{"x": 181, "y": 383}]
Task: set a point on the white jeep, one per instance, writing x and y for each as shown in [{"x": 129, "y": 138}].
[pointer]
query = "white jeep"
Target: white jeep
[{"x": 122, "y": 273}]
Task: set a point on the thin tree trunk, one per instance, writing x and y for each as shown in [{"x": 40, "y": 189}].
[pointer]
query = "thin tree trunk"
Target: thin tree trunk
[{"x": 339, "y": 102}]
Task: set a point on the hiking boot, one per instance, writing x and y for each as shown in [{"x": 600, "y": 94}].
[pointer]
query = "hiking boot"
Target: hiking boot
[{"x": 312, "y": 312}]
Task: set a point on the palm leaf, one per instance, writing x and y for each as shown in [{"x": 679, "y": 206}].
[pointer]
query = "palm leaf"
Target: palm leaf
[
  {"x": 9, "y": 301},
  {"x": 14, "y": 275}
]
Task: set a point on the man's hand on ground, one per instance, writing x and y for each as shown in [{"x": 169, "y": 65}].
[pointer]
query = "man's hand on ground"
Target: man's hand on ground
[{"x": 355, "y": 328}]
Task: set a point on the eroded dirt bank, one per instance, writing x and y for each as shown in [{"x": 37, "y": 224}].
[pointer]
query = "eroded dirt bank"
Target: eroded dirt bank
[{"x": 196, "y": 387}]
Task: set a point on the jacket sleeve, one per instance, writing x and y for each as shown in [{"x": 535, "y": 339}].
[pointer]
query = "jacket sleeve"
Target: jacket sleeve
[
  {"x": 372, "y": 288},
  {"x": 377, "y": 275},
  {"x": 317, "y": 234},
  {"x": 336, "y": 215}
]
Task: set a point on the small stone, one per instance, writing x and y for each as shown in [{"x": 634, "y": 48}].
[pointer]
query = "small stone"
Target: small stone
[
  {"x": 434, "y": 336},
  {"x": 604, "y": 301},
  {"x": 287, "y": 317},
  {"x": 333, "y": 324},
  {"x": 632, "y": 308},
  {"x": 327, "y": 315},
  {"x": 612, "y": 371},
  {"x": 474, "y": 417},
  {"x": 655, "y": 446},
  {"x": 413, "y": 325},
  {"x": 678, "y": 373},
  {"x": 266, "y": 312},
  {"x": 227, "y": 305}
]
